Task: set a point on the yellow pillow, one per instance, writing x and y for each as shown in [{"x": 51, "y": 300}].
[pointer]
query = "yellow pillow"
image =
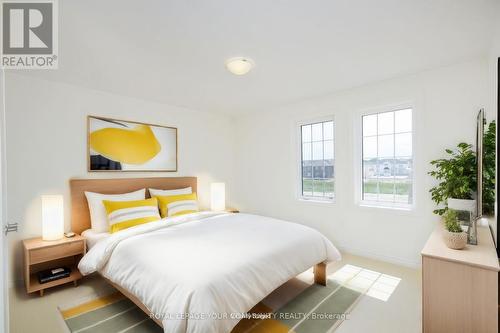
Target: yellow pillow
[
  {"x": 173, "y": 205},
  {"x": 126, "y": 214}
]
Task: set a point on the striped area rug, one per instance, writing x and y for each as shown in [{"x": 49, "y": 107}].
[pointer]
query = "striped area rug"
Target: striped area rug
[
  {"x": 111, "y": 313},
  {"x": 316, "y": 309}
]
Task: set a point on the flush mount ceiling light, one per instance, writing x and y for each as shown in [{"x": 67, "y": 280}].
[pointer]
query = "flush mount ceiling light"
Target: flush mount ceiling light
[{"x": 239, "y": 65}]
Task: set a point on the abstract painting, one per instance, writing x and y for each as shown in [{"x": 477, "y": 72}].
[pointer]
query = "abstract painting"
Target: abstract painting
[{"x": 119, "y": 145}]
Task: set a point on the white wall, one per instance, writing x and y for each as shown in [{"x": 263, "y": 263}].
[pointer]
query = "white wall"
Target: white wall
[
  {"x": 446, "y": 103},
  {"x": 46, "y": 145}
]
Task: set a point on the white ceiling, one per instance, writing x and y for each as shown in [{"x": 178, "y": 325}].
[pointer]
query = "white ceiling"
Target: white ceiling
[{"x": 174, "y": 51}]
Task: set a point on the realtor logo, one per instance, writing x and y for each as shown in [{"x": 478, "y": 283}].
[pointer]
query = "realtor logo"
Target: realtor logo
[{"x": 29, "y": 34}]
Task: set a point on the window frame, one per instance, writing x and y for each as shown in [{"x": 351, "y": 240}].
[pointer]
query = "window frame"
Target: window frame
[
  {"x": 298, "y": 178},
  {"x": 358, "y": 160}
]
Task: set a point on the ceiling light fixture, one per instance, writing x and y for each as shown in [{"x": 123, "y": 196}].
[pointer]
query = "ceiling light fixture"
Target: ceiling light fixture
[{"x": 239, "y": 65}]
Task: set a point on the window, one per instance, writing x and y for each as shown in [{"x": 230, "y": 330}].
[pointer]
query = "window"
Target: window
[
  {"x": 317, "y": 160},
  {"x": 387, "y": 163}
]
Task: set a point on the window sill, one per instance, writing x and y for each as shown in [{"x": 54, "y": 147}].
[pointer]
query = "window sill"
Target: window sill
[
  {"x": 317, "y": 200},
  {"x": 375, "y": 205}
]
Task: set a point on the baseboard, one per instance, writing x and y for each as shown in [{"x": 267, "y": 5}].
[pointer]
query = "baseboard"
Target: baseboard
[{"x": 381, "y": 257}]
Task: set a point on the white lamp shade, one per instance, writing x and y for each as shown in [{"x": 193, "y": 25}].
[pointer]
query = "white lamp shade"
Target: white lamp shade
[
  {"x": 218, "y": 196},
  {"x": 52, "y": 217}
]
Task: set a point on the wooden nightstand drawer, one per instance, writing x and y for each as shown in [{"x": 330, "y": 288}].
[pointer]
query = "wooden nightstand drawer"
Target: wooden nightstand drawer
[{"x": 56, "y": 252}]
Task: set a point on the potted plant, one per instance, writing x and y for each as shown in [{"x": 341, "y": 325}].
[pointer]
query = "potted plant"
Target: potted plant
[
  {"x": 489, "y": 169},
  {"x": 453, "y": 235},
  {"x": 457, "y": 180}
]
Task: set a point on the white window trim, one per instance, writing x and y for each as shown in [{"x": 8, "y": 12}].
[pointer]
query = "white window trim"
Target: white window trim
[
  {"x": 358, "y": 158},
  {"x": 298, "y": 157}
]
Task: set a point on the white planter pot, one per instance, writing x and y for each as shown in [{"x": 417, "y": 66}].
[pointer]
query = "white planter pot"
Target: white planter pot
[
  {"x": 462, "y": 204},
  {"x": 455, "y": 240}
]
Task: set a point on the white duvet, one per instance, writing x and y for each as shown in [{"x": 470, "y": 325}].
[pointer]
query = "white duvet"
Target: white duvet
[{"x": 198, "y": 272}]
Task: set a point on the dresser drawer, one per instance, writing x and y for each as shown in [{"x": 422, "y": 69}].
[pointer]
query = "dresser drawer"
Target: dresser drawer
[{"x": 56, "y": 252}]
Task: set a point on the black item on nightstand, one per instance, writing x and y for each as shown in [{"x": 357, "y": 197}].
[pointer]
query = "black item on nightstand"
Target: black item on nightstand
[{"x": 53, "y": 274}]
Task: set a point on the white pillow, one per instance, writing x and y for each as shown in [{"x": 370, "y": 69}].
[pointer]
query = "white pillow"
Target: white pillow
[
  {"x": 154, "y": 192},
  {"x": 98, "y": 216}
]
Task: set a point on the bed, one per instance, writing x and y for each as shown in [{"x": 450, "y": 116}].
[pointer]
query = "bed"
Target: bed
[{"x": 197, "y": 272}]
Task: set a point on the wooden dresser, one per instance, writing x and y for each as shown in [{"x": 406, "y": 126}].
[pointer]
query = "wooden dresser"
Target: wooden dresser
[{"x": 460, "y": 287}]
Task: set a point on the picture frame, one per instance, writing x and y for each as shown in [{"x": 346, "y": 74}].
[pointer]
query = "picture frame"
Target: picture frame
[{"x": 117, "y": 145}]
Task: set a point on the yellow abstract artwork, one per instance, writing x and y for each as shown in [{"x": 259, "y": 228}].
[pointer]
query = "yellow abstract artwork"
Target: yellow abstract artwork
[{"x": 117, "y": 145}]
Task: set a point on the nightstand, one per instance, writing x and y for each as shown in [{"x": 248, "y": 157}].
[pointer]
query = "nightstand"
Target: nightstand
[{"x": 40, "y": 255}]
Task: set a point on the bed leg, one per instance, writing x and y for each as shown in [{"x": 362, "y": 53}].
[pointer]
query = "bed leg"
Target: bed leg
[{"x": 320, "y": 274}]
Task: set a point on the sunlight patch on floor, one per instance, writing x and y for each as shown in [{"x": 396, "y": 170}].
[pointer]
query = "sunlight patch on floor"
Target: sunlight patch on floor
[{"x": 375, "y": 284}]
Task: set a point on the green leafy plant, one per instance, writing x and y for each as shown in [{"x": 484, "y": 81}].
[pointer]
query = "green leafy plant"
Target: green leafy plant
[
  {"x": 456, "y": 175},
  {"x": 489, "y": 171},
  {"x": 451, "y": 222}
]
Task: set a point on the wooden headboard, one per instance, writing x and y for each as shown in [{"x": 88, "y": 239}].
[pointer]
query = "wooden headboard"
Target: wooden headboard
[{"x": 80, "y": 216}]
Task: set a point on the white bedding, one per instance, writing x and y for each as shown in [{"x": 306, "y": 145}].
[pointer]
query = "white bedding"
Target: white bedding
[
  {"x": 206, "y": 263},
  {"x": 92, "y": 237}
]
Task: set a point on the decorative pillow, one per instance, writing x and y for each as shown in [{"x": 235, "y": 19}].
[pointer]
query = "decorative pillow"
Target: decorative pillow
[
  {"x": 174, "y": 205},
  {"x": 156, "y": 193},
  {"x": 98, "y": 216},
  {"x": 126, "y": 214}
]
